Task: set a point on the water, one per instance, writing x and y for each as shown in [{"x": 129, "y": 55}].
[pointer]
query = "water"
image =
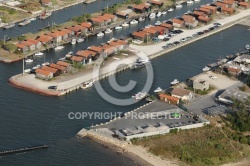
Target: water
[{"x": 66, "y": 14}]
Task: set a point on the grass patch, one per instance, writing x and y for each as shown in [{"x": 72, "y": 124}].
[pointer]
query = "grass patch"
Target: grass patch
[{"x": 202, "y": 92}]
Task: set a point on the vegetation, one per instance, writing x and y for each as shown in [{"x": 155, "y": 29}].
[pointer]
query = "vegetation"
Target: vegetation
[
  {"x": 243, "y": 88},
  {"x": 80, "y": 19},
  {"x": 113, "y": 9},
  {"x": 10, "y": 47},
  {"x": 133, "y": 2}
]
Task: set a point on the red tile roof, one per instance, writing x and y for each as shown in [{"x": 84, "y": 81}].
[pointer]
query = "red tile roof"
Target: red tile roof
[
  {"x": 150, "y": 30},
  {"x": 44, "y": 38},
  {"x": 111, "y": 16},
  {"x": 233, "y": 70},
  {"x": 123, "y": 42},
  {"x": 46, "y": 1},
  {"x": 188, "y": 18},
  {"x": 139, "y": 7},
  {"x": 104, "y": 18},
  {"x": 168, "y": 97},
  {"x": 66, "y": 31},
  {"x": 85, "y": 53},
  {"x": 121, "y": 13},
  {"x": 169, "y": 26},
  {"x": 158, "y": 28},
  {"x": 244, "y": 4},
  {"x": 178, "y": 21},
  {"x": 220, "y": 4},
  {"x": 33, "y": 41},
  {"x": 227, "y": 9},
  {"x": 210, "y": 7},
  {"x": 86, "y": 24},
  {"x": 43, "y": 72},
  {"x": 156, "y": 2},
  {"x": 140, "y": 34},
  {"x": 18, "y": 45},
  {"x": 198, "y": 13},
  {"x": 61, "y": 63},
  {"x": 180, "y": 92},
  {"x": 26, "y": 43},
  {"x": 50, "y": 69},
  {"x": 230, "y": 2},
  {"x": 204, "y": 18},
  {"x": 95, "y": 49},
  {"x": 205, "y": 10},
  {"x": 98, "y": 20},
  {"x": 76, "y": 58},
  {"x": 53, "y": 65}
]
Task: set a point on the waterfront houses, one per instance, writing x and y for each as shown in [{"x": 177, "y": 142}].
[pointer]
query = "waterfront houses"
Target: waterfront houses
[
  {"x": 54, "y": 71},
  {"x": 190, "y": 21},
  {"x": 243, "y": 5},
  {"x": 182, "y": 94},
  {"x": 22, "y": 48},
  {"x": 43, "y": 74},
  {"x": 169, "y": 99},
  {"x": 61, "y": 69},
  {"x": 178, "y": 23}
]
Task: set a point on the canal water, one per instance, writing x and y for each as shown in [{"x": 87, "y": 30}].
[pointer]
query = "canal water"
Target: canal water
[
  {"x": 61, "y": 16},
  {"x": 28, "y": 119}
]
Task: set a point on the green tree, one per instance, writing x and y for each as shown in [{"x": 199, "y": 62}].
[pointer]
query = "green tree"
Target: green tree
[{"x": 10, "y": 47}]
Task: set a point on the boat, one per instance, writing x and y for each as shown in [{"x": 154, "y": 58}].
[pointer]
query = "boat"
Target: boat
[
  {"x": 108, "y": 31},
  {"x": 34, "y": 68},
  {"x": 39, "y": 54},
  {"x": 118, "y": 28},
  {"x": 178, "y": 6},
  {"x": 140, "y": 62},
  {"x": 196, "y": 1},
  {"x": 141, "y": 19},
  {"x": 73, "y": 41},
  {"x": 25, "y": 22},
  {"x": 247, "y": 47},
  {"x": 125, "y": 24},
  {"x": 148, "y": 26},
  {"x": 27, "y": 70},
  {"x": 190, "y": 2},
  {"x": 62, "y": 59},
  {"x": 158, "y": 90},
  {"x": 152, "y": 15},
  {"x": 29, "y": 60},
  {"x": 86, "y": 85},
  {"x": 140, "y": 95},
  {"x": 206, "y": 68},
  {"x": 38, "y": 66},
  {"x": 174, "y": 82},
  {"x": 158, "y": 14},
  {"x": 57, "y": 48},
  {"x": 9, "y": 25},
  {"x": 133, "y": 22},
  {"x": 45, "y": 64},
  {"x": 100, "y": 34},
  {"x": 33, "y": 19},
  {"x": 164, "y": 12},
  {"x": 45, "y": 15},
  {"x": 158, "y": 23},
  {"x": 171, "y": 9},
  {"x": 80, "y": 40},
  {"x": 70, "y": 53}
]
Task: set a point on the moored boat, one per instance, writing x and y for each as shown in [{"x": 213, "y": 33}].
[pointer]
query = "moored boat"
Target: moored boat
[
  {"x": 86, "y": 85},
  {"x": 9, "y": 25},
  {"x": 178, "y": 6},
  {"x": 100, "y": 34},
  {"x": 25, "y": 22},
  {"x": 45, "y": 15},
  {"x": 118, "y": 28},
  {"x": 57, "y": 48},
  {"x": 196, "y": 1},
  {"x": 158, "y": 14},
  {"x": 29, "y": 60},
  {"x": 140, "y": 95},
  {"x": 174, "y": 82},
  {"x": 73, "y": 41},
  {"x": 158, "y": 90},
  {"x": 39, "y": 54},
  {"x": 189, "y": 2},
  {"x": 152, "y": 15},
  {"x": 141, "y": 19},
  {"x": 158, "y": 23},
  {"x": 164, "y": 12},
  {"x": 108, "y": 31},
  {"x": 125, "y": 24},
  {"x": 80, "y": 40},
  {"x": 45, "y": 64},
  {"x": 170, "y": 10},
  {"x": 27, "y": 70},
  {"x": 133, "y": 22},
  {"x": 206, "y": 68},
  {"x": 33, "y": 19},
  {"x": 247, "y": 47}
]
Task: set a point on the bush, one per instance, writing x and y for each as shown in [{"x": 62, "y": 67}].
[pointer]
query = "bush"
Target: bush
[
  {"x": 243, "y": 140},
  {"x": 10, "y": 47},
  {"x": 173, "y": 131}
]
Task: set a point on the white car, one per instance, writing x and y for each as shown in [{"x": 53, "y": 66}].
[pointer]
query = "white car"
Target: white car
[{"x": 213, "y": 77}]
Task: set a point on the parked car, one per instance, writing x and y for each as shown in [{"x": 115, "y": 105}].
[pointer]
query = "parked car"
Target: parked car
[
  {"x": 195, "y": 35},
  {"x": 217, "y": 24},
  {"x": 52, "y": 87},
  {"x": 213, "y": 77},
  {"x": 182, "y": 40},
  {"x": 200, "y": 33},
  {"x": 176, "y": 42}
]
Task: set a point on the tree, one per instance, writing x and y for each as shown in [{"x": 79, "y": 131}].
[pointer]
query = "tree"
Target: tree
[{"x": 10, "y": 47}]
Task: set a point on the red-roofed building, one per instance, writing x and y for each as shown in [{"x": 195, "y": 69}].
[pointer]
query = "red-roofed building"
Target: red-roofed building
[
  {"x": 169, "y": 99},
  {"x": 62, "y": 69},
  {"x": 230, "y": 3},
  {"x": 160, "y": 29},
  {"x": 106, "y": 19},
  {"x": 198, "y": 13},
  {"x": 141, "y": 8},
  {"x": 140, "y": 35},
  {"x": 156, "y": 3},
  {"x": 204, "y": 19},
  {"x": 96, "y": 49},
  {"x": 43, "y": 74},
  {"x": 122, "y": 15},
  {"x": 233, "y": 71},
  {"x": 220, "y": 4},
  {"x": 68, "y": 31},
  {"x": 206, "y": 11},
  {"x": 108, "y": 50},
  {"x": 87, "y": 55},
  {"x": 55, "y": 71},
  {"x": 212, "y": 9},
  {"x": 77, "y": 59},
  {"x": 178, "y": 23},
  {"x": 151, "y": 31},
  {"x": 87, "y": 25},
  {"x": 22, "y": 48},
  {"x": 190, "y": 21},
  {"x": 47, "y": 3},
  {"x": 97, "y": 21},
  {"x": 65, "y": 64},
  {"x": 56, "y": 36},
  {"x": 244, "y": 5},
  {"x": 30, "y": 45},
  {"x": 227, "y": 10},
  {"x": 45, "y": 39},
  {"x": 111, "y": 16},
  {"x": 169, "y": 26},
  {"x": 37, "y": 43}
]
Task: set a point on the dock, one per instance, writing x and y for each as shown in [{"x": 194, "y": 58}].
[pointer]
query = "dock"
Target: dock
[{"x": 23, "y": 149}]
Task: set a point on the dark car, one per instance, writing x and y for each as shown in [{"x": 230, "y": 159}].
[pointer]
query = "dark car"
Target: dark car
[
  {"x": 211, "y": 28},
  {"x": 206, "y": 31},
  {"x": 176, "y": 42},
  {"x": 177, "y": 31},
  {"x": 200, "y": 33},
  {"x": 52, "y": 87}
]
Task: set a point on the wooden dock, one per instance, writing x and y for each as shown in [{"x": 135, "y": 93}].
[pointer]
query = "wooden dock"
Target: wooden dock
[{"x": 23, "y": 149}]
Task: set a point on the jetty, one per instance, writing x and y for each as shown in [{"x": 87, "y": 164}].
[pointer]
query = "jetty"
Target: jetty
[
  {"x": 5, "y": 152},
  {"x": 88, "y": 1}
]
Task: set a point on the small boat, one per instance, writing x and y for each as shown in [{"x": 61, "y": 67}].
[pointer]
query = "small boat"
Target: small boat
[
  {"x": 100, "y": 34},
  {"x": 148, "y": 26},
  {"x": 25, "y": 22},
  {"x": 9, "y": 25},
  {"x": 141, "y": 19},
  {"x": 33, "y": 19},
  {"x": 206, "y": 69},
  {"x": 189, "y": 2},
  {"x": 45, "y": 64},
  {"x": 133, "y": 22},
  {"x": 57, "y": 48},
  {"x": 158, "y": 23},
  {"x": 125, "y": 24},
  {"x": 152, "y": 15},
  {"x": 118, "y": 28},
  {"x": 174, "y": 82},
  {"x": 73, "y": 41},
  {"x": 170, "y": 10},
  {"x": 164, "y": 12},
  {"x": 158, "y": 14},
  {"x": 34, "y": 68},
  {"x": 29, "y": 60},
  {"x": 70, "y": 53},
  {"x": 178, "y": 6},
  {"x": 108, "y": 31},
  {"x": 39, "y": 54},
  {"x": 88, "y": 84},
  {"x": 62, "y": 59},
  {"x": 45, "y": 15},
  {"x": 27, "y": 70},
  {"x": 247, "y": 47},
  {"x": 196, "y": 1},
  {"x": 80, "y": 40},
  {"x": 158, "y": 90},
  {"x": 140, "y": 95}
]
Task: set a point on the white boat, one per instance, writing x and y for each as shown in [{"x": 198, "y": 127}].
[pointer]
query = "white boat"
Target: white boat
[
  {"x": 73, "y": 41},
  {"x": 206, "y": 69},
  {"x": 27, "y": 70},
  {"x": 190, "y": 2},
  {"x": 34, "y": 68},
  {"x": 196, "y": 1},
  {"x": 140, "y": 95},
  {"x": 25, "y": 22},
  {"x": 45, "y": 64},
  {"x": 118, "y": 28},
  {"x": 178, "y": 6},
  {"x": 157, "y": 90},
  {"x": 133, "y": 22},
  {"x": 158, "y": 23},
  {"x": 170, "y": 10},
  {"x": 39, "y": 54},
  {"x": 29, "y": 60},
  {"x": 158, "y": 14},
  {"x": 125, "y": 24},
  {"x": 57, "y": 48},
  {"x": 152, "y": 15},
  {"x": 141, "y": 19},
  {"x": 33, "y": 19},
  {"x": 164, "y": 12},
  {"x": 247, "y": 47},
  {"x": 174, "y": 82},
  {"x": 88, "y": 84},
  {"x": 80, "y": 40},
  {"x": 62, "y": 59},
  {"x": 38, "y": 66},
  {"x": 148, "y": 26},
  {"x": 100, "y": 34},
  {"x": 108, "y": 31},
  {"x": 70, "y": 53}
]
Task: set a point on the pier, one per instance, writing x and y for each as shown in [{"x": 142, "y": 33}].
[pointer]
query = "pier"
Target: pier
[{"x": 23, "y": 149}]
